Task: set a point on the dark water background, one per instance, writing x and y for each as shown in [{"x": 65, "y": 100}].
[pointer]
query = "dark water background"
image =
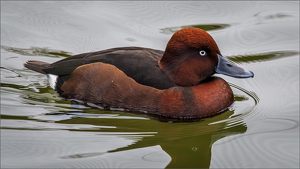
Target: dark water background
[{"x": 40, "y": 130}]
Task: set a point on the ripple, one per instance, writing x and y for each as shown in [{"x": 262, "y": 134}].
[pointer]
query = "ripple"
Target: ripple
[
  {"x": 249, "y": 93},
  {"x": 37, "y": 51},
  {"x": 33, "y": 125},
  {"x": 83, "y": 155},
  {"x": 156, "y": 157},
  {"x": 39, "y": 127},
  {"x": 243, "y": 37},
  {"x": 272, "y": 147},
  {"x": 278, "y": 87},
  {"x": 8, "y": 73},
  {"x": 241, "y": 107},
  {"x": 47, "y": 146}
]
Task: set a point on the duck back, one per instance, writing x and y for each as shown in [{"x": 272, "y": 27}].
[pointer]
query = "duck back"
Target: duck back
[{"x": 141, "y": 64}]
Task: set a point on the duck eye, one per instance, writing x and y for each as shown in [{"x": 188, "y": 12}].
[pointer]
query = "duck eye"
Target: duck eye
[{"x": 202, "y": 53}]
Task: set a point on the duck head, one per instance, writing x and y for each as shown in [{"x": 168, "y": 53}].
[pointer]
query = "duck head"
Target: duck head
[{"x": 192, "y": 55}]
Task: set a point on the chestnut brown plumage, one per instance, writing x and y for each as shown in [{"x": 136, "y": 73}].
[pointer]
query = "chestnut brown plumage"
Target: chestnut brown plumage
[{"x": 107, "y": 86}]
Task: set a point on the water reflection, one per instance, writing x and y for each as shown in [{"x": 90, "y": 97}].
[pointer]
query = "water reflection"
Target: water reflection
[
  {"x": 37, "y": 51},
  {"x": 210, "y": 27},
  {"x": 188, "y": 144},
  {"x": 262, "y": 56}
]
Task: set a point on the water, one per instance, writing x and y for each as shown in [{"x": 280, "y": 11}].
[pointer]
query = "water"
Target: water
[{"x": 41, "y": 130}]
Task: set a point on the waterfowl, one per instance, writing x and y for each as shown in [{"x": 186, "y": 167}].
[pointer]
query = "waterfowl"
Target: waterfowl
[{"x": 175, "y": 83}]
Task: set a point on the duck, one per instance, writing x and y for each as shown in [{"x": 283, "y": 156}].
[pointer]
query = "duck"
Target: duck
[{"x": 177, "y": 83}]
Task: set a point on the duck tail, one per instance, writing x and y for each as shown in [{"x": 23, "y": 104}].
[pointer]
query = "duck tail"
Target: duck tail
[{"x": 37, "y": 66}]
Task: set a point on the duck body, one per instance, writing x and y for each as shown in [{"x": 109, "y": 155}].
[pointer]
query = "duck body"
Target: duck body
[
  {"x": 175, "y": 83},
  {"x": 117, "y": 90}
]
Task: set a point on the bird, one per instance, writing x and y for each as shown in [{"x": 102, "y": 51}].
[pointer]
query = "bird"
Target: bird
[{"x": 177, "y": 83}]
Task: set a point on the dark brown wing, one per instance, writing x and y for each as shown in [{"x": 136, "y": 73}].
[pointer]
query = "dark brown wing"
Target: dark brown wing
[{"x": 141, "y": 64}]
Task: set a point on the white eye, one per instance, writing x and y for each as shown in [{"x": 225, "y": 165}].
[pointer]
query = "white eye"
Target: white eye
[{"x": 202, "y": 53}]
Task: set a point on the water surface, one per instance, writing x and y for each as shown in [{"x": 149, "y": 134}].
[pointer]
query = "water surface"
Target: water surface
[{"x": 41, "y": 130}]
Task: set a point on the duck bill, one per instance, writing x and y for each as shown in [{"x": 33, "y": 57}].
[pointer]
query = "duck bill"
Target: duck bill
[{"x": 228, "y": 68}]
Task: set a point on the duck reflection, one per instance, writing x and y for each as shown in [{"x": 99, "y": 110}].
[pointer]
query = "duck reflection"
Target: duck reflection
[{"x": 187, "y": 143}]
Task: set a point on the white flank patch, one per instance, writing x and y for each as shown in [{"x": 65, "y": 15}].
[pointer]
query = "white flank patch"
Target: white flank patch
[{"x": 52, "y": 80}]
